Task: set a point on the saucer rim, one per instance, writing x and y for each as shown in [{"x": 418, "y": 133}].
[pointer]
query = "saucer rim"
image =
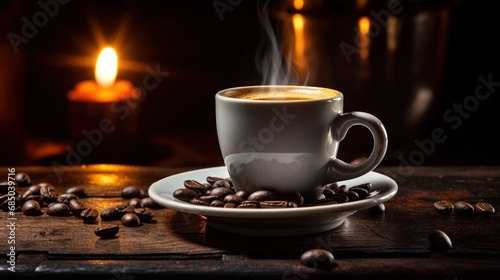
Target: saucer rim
[{"x": 157, "y": 193}]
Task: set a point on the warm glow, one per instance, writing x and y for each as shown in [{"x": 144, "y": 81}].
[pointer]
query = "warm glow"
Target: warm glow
[
  {"x": 106, "y": 68},
  {"x": 364, "y": 39},
  {"x": 298, "y": 4},
  {"x": 299, "y": 57}
]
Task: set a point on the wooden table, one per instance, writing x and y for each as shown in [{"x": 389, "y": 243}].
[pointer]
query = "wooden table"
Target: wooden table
[{"x": 178, "y": 245}]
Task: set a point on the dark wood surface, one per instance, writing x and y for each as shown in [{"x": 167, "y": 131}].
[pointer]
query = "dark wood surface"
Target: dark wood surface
[{"x": 178, "y": 245}]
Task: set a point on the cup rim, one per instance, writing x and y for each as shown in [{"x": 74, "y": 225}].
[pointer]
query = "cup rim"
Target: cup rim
[{"x": 219, "y": 94}]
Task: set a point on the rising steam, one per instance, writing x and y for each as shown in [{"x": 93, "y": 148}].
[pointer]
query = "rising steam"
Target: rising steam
[{"x": 274, "y": 67}]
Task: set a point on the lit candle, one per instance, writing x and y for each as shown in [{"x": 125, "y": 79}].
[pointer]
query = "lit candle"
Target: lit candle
[
  {"x": 105, "y": 89},
  {"x": 103, "y": 115}
]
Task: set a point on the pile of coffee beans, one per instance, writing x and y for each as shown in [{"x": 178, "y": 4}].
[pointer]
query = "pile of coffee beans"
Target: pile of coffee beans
[
  {"x": 41, "y": 198},
  {"x": 445, "y": 207},
  {"x": 219, "y": 192}
]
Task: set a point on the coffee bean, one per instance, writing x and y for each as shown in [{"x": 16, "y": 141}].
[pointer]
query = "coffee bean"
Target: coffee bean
[
  {"x": 242, "y": 194},
  {"x": 63, "y": 200},
  {"x": 136, "y": 202},
  {"x": 230, "y": 205},
  {"x": 317, "y": 259},
  {"x": 212, "y": 179},
  {"x": 262, "y": 195},
  {"x": 89, "y": 215},
  {"x": 38, "y": 198},
  {"x": 144, "y": 214},
  {"x": 332, "y": 186},
  {"x": 233, "y": 198},
  {"x": 221, "y": 184},
  {"x": 125, "y": 210},
  {"x": 439, "y": 241},
  {"x": 26, "y": 194},
  {"x": 78, "y": 191},
  {"x": 35, "y": 189},
  {"x": 295, "y": 197},
  {"x": 4, "y": 187},
  {"x": 342, "y": 189},
  {"x": 340, "y": 198},
  {"x": 46, "y": 190},
  {"x": 132, "y": 192},
  {"x": 31, "y": 208},
  {"x": 443, "y": 207},
  {"x": 194, "y": 186},
  {"x": 221, "y": 192},
  {"x": 76, "y": 207},
  {"x": 110, "y": 214},
  {"x": 184, "y": 194},
  {"x": 69, "y": 196},
  {"x": 7, "y": 203},
  {"x": 107, "y": 232},
  {"x": 463, "y": 208},
  {"x": 352, "y": 196},
  {"x": 291, "y": 204},
  {"x": 484, "y": 209},
  {"x": 249, "y": 204},
  {"x": 58, "y": 209},
  {"x": 274, "y": 204},
  {"x": 362, "y": 193},
  {"x": 366, "y": 186},
  {"x": 208, "y": 198},
  {"x": 328, "y": 193},
  {"x": 23, "y": 179},
  {"x": 196, "y": 201},
  {"x": 217, "y": 203},
  {"x": 150, "y": 203},
  {"x": 130, "y": 220},
  {"x": 377, "y": 210}
]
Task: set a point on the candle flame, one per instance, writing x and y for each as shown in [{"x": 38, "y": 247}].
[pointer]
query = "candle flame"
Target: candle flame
[
  {"x": 106, "y": 67},
  {"x": 298, "y": 4}
]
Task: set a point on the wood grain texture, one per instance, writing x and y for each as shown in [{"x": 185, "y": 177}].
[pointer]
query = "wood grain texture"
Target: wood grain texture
[{"x": 181, "y": 244}]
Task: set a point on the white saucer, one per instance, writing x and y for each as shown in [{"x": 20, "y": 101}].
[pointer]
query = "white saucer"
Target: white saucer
[{"x": 272, "y": 222}]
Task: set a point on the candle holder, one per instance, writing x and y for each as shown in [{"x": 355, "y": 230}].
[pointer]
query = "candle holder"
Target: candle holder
[{"x": 103, "y": 130}]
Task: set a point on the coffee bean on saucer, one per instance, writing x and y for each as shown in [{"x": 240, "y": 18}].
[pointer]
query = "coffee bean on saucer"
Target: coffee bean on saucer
[
  {"x": 221, "y": 184},
  {"x": 58, "y": 209},
  {"x": 217, "y": 203},
  {"x": 89, "y": 215},
  {"x": 262, "y": 195},
  {"x": 249, "y": 204},
  {"x": 230, "y": 205},
  {"x": 107, "y": 232},
  {"x": 328, "y": 193},
  {"x": 196, "y": 201},
  {"x": 31, "y": 208},
  {"x": 340, "y": 198},
  {"x": 132, "y": 192},
  {"x": 242, "y": 194},
  {"x": 352, "y": 196},
  {"x": 439, "y": 241},
  {"x": 233, "y": 198},
  {"x": 484, "y": 209},
  {"x": 130, "y": 220},
  {"x": 212, "y": 179},
  {"x": 23, "y": 179},
  {"x": 463, "y": 208},
  {"x": 318, "y": 259},
  {"x": 366, "y": 186},
  {"x": 332, "y": 186},
  {"x": 221, "y": 192},
  {"x": 274, "y": 204},
  {"x": 185, "y": 194},
  {"x": 362, "y": 193},
  {"x": 209, "y": 198},
  {"x": 342, "y": 189},
  {"x": 194, "y": 186},
  {"x": 78, "y": 191},
  {"x": 443, "y": 207}
]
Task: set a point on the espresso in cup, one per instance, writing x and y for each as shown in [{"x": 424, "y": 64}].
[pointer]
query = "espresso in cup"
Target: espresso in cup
[{"x": 286, "y": 138}]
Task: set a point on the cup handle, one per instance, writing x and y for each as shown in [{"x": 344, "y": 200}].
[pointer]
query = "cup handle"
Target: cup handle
[{"x": 339, "y": 170}]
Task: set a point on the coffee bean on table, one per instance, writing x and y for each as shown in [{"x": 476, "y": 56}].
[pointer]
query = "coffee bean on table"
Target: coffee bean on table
[
  {"x": 439, "y": 241},
  {"x": 89, "y": 215},
  {"x": 124, "y": 210},
  {"x": 23, "y": 179},
  {"x": 144, "y": 214},
  {"x": 136, "y": 202},
  {"x": 463, "y": 208},
  {"x": 38, "y": 198},
  {"x": 377, "y": 210},
  {"x": 110, "y": 214},
  {"x": 78, "y": 191},
  {"x": 150, "y": 203},
  {"x": 130, "y": 220},
  {"x": 58, "y": 209},
  {"x": 69, "y": 196},
  {"x": 317, "y": 259},
  {"x": 107, "y": 232},
  {"x": 132, "y": 192},
  {"x": 31, "y": 208},
  {"x": 184, "y": 194},
  {"x": 443, "y": 207},
  {"x": 35, "y": 189},
  {"x": 46, "y": 190},
  {"x": 484, "y": 209},
  {"x": 76, "y": 207}
]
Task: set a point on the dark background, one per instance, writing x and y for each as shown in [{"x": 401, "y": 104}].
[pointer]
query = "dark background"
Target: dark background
[{"x": 443, "y": 46}]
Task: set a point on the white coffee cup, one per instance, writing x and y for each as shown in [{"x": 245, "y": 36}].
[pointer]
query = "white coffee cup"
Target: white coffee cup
[{"x": 286, "y": 138}]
